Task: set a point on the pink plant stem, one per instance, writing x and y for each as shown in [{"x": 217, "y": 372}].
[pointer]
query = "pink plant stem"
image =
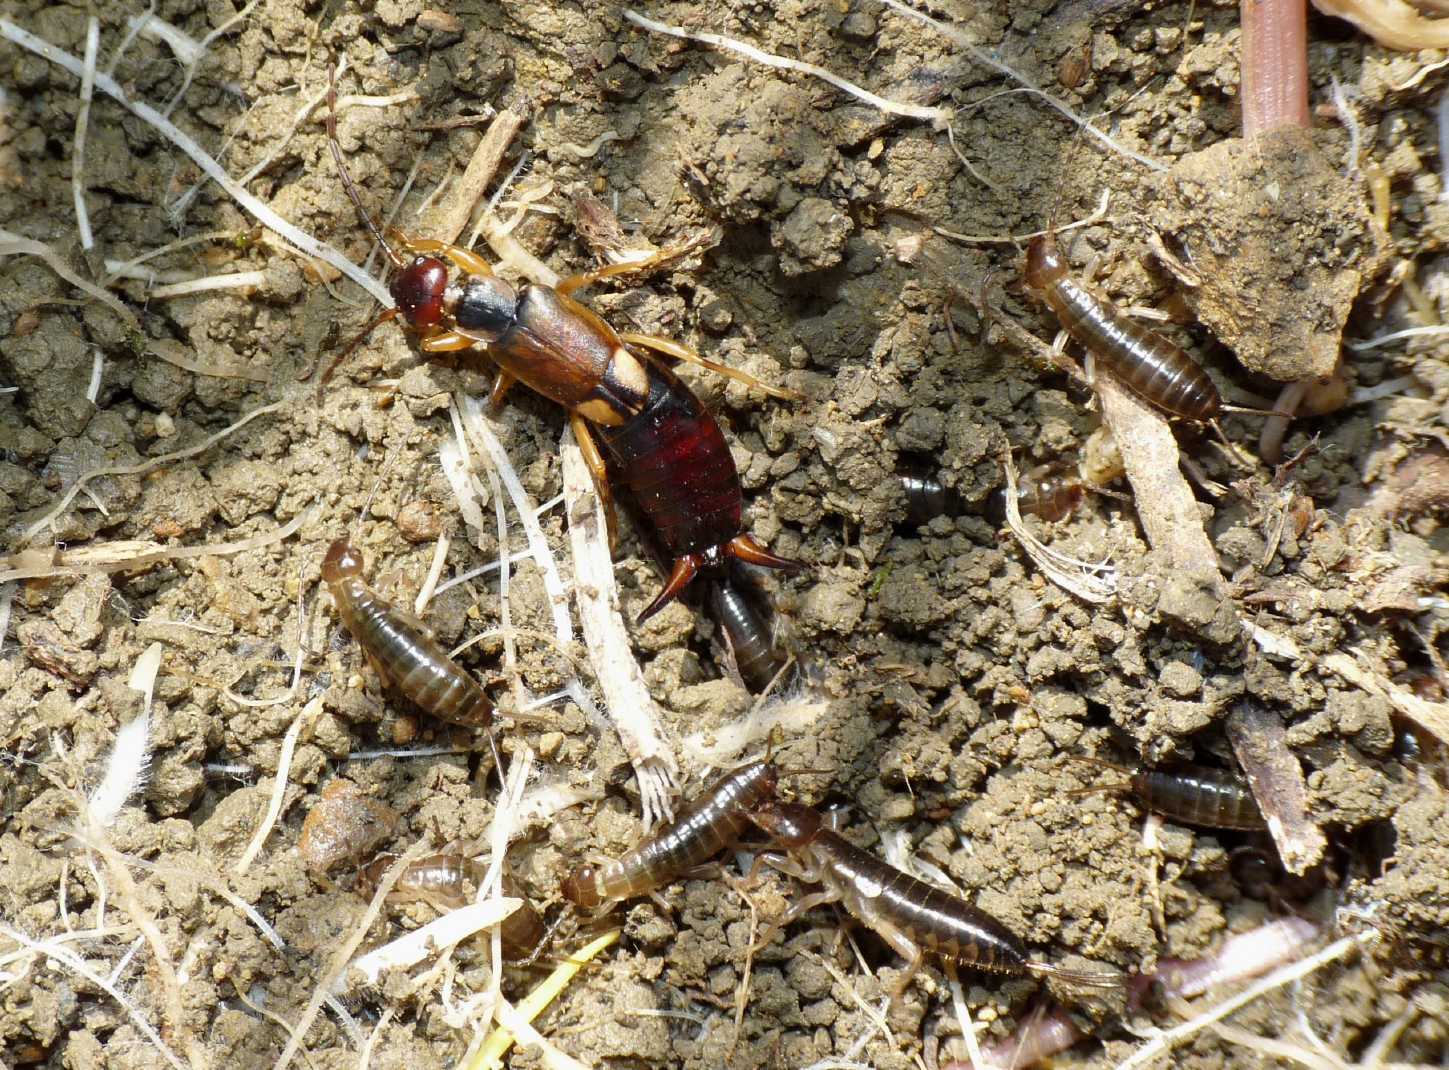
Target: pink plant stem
[{"x": 1274, "y": 54}]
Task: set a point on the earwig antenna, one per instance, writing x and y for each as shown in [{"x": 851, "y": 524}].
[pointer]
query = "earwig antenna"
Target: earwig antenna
[
  {"x": 382, "y": 317},
  {"x": 393, "y": 256}
]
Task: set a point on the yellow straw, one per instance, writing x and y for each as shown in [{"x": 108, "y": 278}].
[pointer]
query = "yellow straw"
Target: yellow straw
[{"x": 490, "y": 1056}]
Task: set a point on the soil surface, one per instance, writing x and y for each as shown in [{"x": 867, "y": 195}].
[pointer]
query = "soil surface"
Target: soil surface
[{"x": 955, "y": 677}]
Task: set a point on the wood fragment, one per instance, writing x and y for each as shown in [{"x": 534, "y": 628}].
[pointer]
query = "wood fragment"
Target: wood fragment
[
  {"x": 1192, "y": 589},
  {"x": 446, "y": 221},
  {"x": 1276, "y": 777}
]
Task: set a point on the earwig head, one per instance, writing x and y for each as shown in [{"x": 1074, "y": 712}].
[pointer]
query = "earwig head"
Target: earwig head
[
  {"x": 342, "y": 560},
  {"x": 1044, "y": 262},
  {"x": 486, "y": 308},
  {"x": 418, "y": 289},
  {"x": 370, "y": 875},
  {"x": 580, "y": 888},
  {"x": 791, "y": 825}
]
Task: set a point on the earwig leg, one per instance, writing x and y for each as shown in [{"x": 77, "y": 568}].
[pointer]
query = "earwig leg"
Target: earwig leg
[
  {"x": 446, "y": 342},
  {"x": 608, "y": 271},
  {"x": 1146, "y": 312},
  {"x": 595, "y": 460},
  {"x": 500, "y": 389},
  {"x": 462, "y": 259},
  {"x": 680, "y": 351},
  {"x": 750, "y": 550},
  {"x": 913, "y": 967},
  {"x": 810, "y": 902}
]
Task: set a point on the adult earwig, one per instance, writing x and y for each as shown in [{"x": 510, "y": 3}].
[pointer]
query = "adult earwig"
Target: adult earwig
[
  {"x": 912, "y": 916},
  {"x": 661, "y": 441},
  {"x": 1191, "y": 795},
  {"x": 712, "y": 822},
  {"x": 448, "y": 881},
  {"x": 748, "y": 632},
  {"x": 1155, "y": 368},
  {"x": 401, "y": 648}
]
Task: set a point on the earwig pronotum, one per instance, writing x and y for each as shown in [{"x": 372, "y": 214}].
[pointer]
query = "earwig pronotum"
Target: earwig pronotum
[
  {"x": 713, "y": 821},
  {"x": 662, "y": 442},
  {"x": 448, "y": 881},
  {"x": 748, "y": 631},
  {"x": 1192, "y": 795},
  {"x": 401, "y": 648},
  {"x": 912, "y": 916}
]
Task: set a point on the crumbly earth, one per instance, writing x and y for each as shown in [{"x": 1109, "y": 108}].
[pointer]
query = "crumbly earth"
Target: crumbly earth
[{"x": 957, "y": 676}]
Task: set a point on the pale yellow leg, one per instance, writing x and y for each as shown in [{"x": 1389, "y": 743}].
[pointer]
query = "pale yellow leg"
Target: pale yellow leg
[
  {"x": 608, "y": 271},
  {"x": 463, "y": 259},
  {"x": 680, "y": 351},
  {"x": 446, "y": 342},
  {"x": 595, "y": 460}
]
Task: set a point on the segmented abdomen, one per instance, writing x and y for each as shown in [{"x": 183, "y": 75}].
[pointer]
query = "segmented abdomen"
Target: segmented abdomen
[
  {"x": 1148, "y": 363},
  {"x": 748, "y": 629},
  {"x": 674, "y": 459},
  {"x": 933, "y": 919},
  {"x": 712, "y": 822},
  {"x": 410, "y": 659},
  {"x": 1209, "y": 798}
]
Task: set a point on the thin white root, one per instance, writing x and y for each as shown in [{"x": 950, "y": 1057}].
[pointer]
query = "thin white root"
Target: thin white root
[
  {"x": 236, "y": 280},
  {"x": 82, "y": 122},
  {"x": 988, "y": 60},
  {"x": 1089, "y": 582},
  {"x": 259, "y": 210},
  {"x": 717, "y": 747},
  {"x": 1165, "y": 1041},
  {"x": 435, "y": 572},
  {"x": 626, "y": 696},
  {"x": 452, "y": 928},
  {"x": 17, "y": 245},
  {"x": 479, "y": 429},
  {"x": 138, "y": 469},
  {"x": 1377, "y": 341},
  {"x": 131, "y": 756},
  {"x": 114, "y": 556},
  {"x": 307, "y": 715},
  {"x": 938, "y": 116}
]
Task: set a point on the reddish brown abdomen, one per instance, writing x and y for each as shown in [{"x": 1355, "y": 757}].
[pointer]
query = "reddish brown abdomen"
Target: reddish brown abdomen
[{"x": 674, "y": 459}]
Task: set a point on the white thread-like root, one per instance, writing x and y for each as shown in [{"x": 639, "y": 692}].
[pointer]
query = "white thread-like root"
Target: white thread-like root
[
  {"x": 7, "y": 596},
  {"x": 64, "y": 957},
  {"x": 479, "y": 428},
  {"x": 328, "y": 989},
  {"x": 253, "y": 205},
  {"x": 197, "y": 51},
  {"x": 307, "y": 714},
  {"x": 128, "y": 269},
  {"x": 82, "y": 123},
  {"x": 1377, "y": 341},
  {"x": 114, "y": 556},
  {"x": 717, "y": 747},
  {"x": 1165, "y": 1041},
  {"x": 988, "y": 60},
  {"x": 626, "y": 697},
  {"x": 1089, "y": 582},
  {"x": 1346, "y": 116},
  {"x": 941, "y": 117},
  {"x": 435, "y": 571},
  {"x": 18, "y": 245},
  {"x": 139, "y": 469},
  {"x": 452, "y": 928},
  {"x": 236, "y": 280},
  {"x": 98, "y": 367}
]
